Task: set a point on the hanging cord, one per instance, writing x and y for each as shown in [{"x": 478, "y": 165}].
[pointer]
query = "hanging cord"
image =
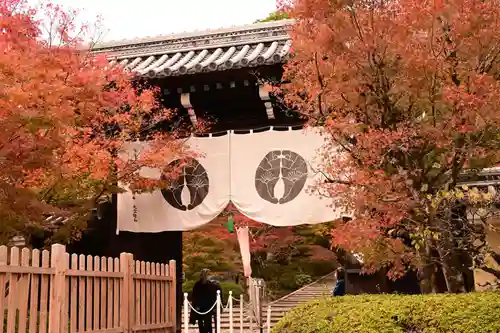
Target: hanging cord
[
  {"x": 248, "y": 312},
  {"x": 237, "y": 300},
  {"x": 202, "y": 313},
  {"x": 224, "y": 307},
  {"x": 234, "y": 299}
]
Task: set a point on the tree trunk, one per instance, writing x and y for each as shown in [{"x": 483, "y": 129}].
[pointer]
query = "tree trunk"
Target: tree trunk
[
  {"x": 426, "y": 280},
  {"x": 468, "y": 271},
  {"x": 451, "y": 264},
  {"x": 450, "y": 249},
  {"x": 427, "y": 274}
]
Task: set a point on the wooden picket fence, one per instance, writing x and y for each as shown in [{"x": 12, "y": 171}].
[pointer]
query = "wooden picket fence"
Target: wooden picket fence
[{"x": 54, "y": 292}]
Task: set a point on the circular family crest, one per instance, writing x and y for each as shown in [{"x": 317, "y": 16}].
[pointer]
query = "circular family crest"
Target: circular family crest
[
  {"x": 194, "y": 177},
  {"x": 284, "y": 165}
]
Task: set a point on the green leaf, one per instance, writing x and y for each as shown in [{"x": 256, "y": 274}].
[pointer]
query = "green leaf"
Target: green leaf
[{"x": 230, "y": 224}]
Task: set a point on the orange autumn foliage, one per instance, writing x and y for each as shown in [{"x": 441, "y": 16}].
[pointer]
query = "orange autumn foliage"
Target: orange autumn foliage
[
  {"x": 64, "y": 115},
  {"x": 408, "y": 92}
]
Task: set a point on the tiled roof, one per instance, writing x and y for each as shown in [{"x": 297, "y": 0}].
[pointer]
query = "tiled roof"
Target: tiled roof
[
  {"x": 212, "y": 50},
  {"x": 486, "y": 177}
]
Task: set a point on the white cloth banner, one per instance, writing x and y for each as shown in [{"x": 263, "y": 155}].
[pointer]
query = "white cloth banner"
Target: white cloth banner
[
  {"x": 195, "y": 198},
  {"x": 244, "y": 242},
  {"x": 272, "y": 174},
  {"x": 267, "y": 175}
]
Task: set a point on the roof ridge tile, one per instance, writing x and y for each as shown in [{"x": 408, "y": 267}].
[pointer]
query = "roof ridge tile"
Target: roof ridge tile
[
  {"x": 212, "y": 50},
  {"x": 279, "y": 27}
]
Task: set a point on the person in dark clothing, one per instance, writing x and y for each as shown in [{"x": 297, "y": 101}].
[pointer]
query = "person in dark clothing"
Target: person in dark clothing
[
  {"x": 215, "y": 286},
  {"x": 339, "y": 289},
  {"x": 204, "y": 295}
]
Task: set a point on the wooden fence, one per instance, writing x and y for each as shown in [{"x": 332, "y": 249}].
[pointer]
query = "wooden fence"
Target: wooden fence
[{"x": 53, "y": 292}]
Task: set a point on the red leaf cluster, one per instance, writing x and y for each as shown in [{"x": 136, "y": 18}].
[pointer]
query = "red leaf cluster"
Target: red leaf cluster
[
  {"x": 65, "y": 114},
  {"x": 407, "y": 92}
]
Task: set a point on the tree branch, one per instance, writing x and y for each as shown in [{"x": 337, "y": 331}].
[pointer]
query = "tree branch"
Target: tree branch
[
  {"x": 491, "y": 270},
  {"x": 321, "y": 84}
]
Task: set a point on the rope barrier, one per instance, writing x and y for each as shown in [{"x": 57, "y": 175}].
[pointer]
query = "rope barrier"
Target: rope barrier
[
  {"x": 214, "y": 305},
  {"x": 237, "y": 300},
  {"x": 202, "y": 313},
  {"x": 187, "y": 305},
  {"x": 244, "y": 309}
]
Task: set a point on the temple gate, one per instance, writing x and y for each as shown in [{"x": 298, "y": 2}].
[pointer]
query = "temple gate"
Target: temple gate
[{"x": 215, "y": 76}]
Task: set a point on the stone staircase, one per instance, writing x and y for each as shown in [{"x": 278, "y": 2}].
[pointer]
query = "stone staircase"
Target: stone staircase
[{"x": 318, "y": 289}]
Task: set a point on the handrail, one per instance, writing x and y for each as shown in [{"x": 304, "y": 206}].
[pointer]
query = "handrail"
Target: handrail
[{"x": 302, "y": 288}]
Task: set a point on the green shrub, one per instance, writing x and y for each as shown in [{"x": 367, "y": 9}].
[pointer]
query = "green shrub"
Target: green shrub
[
  {"x": 231, "y": 286},
  {"x": 287, "y": 282},
  {"x": 318, "y": 268},
  {"x": 439, "y": 313},
  {"x": 284, "y": 278},
  {"x": 187, "y": 287},
  {"x": 302, "y": 280}
]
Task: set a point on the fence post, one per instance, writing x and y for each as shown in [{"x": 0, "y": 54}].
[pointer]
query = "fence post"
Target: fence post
[
  {"x": 230, "y": 305},
  {"x": 218, "y": 305},
  {"x": 251, "y": 302},
  {"x": 126, "y": 301},
  {"x": 186, "y": 313},
  {"x": 268, "y": 319},
  {"x": 258, "y": 308},
  {"x": 57, "y": 288},
  {"x": 241, "y": 313},
  {"x": 173, "y": 295}
]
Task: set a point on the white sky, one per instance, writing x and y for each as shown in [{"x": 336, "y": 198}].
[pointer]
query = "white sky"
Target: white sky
[{"x": 141, "y": 18}]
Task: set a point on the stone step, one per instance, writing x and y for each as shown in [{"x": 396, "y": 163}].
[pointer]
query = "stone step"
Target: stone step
[
  {"x": 277, "y": 315},
  {"x": 279, "y": 308},
  {"x": 303, "y": 297},
  {"x": 246, "y": 324},
  {"x": 311, "y": 294},
  {"x": 236, "y": 325}
]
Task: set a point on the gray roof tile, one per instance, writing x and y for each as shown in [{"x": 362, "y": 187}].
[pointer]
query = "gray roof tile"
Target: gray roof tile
[{"x": 211, "y": 50}]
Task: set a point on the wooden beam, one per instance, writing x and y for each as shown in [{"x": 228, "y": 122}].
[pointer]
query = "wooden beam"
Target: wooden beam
[
  {"x": 186, "y": 103},
  {"x": 264, "y": 96}
]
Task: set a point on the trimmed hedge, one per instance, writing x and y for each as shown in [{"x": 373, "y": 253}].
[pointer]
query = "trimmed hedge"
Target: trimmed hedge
[{"x": 438, "y": 313}]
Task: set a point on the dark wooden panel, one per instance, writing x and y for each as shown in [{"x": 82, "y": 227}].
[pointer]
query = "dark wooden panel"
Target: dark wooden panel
[{"x": 100, "y": 239}]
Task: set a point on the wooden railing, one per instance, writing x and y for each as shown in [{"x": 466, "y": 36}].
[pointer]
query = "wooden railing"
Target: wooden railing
[{"x": 54, "y": 292}]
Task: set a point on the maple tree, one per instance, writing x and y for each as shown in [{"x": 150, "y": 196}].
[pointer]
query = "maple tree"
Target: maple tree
[
  {"x": 276, "y": 242},
  {"x": 285, "y": 257},
  {"x": 274, "y": 16},
  {"x": 66, "y": 115},
  {"x": 407, "y": 93},
  {"x": 206, "y": 249}
]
